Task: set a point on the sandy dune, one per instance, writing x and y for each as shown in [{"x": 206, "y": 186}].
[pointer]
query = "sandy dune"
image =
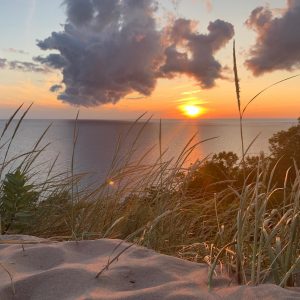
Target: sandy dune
[{"x": 67, "y": 270}]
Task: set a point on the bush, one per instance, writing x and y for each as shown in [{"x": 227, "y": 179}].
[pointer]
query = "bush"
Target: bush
[
  {"x": 285, "y": 148},
  {"x": 17, "y": 202}
]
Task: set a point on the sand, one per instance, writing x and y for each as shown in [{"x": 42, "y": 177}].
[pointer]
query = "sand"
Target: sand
[{"x": 45, "y": 270}]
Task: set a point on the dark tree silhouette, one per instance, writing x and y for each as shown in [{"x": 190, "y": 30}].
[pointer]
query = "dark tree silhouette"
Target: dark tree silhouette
[{"x": 285, "y": 146}]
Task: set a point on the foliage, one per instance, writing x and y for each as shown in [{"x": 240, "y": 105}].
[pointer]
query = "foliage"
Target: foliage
[
  {"x": 286, "y": 144},
  {"x": 221, "y": 169},
  {"x": 17, "y": 202},
  {"x": 285, "y": 148}
]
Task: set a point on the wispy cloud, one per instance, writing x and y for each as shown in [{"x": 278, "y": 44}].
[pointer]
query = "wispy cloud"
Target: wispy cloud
[
  {"x": 23, "y": 66},
  {"x": 136, "y": 97},
  {"x": 17, "y": 51},
  {"x": 30, "y": 16},
  {"x": 192, "y": 100},
  {"x": 27, "y": 67},
  {"x": 208, "y": 5},
  {"x": 191, "y": 92},
  {"x": 3, "y": 63}
]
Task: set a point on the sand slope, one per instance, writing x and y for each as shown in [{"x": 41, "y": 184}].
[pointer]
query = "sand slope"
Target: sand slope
[{"x": 67, "y": 271}]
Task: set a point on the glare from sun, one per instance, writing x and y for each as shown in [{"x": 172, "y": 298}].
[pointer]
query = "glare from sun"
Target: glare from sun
[{"x": 191, "y": 110}]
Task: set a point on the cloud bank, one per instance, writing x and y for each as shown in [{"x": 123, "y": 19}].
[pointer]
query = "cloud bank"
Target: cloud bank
[
  {"x": 110, "y": 48},
  {"x": 278, "y": 39},
  {"x": 23, "y": 66}
]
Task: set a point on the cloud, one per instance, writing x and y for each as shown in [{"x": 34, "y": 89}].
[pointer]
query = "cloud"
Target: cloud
[
  {"x": 23, "y": 66},
  {"x": 208, "y": 5},
  {"x": 27, "y": 67},
  {"x": 110, "y": 48},
  {"x": 135, "y": 97},
  {"x": 191, "y": 92},
  {"x": 278, "y": 39},
  {"x": 201, "y": 65},
  {"x": 32, "y": 4},
  {"x": 55, "y": 61},
  {"x": 2, "y": 63},
  {"x": 55, "y": 88},
  {"x": 17, "y": 51}
]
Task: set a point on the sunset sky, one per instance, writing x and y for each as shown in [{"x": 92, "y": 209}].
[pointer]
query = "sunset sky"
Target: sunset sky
[{"x": 118, "y": 59}]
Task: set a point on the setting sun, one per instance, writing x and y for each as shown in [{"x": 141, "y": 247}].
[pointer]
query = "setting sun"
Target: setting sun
[{"x": 191, "y": 110}]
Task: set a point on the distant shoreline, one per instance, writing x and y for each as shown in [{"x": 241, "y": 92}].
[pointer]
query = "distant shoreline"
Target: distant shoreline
[{"x": 293, "y": 120}]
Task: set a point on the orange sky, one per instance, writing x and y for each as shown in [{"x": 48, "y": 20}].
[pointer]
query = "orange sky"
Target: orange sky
[
  {"x": 219, "y": 102},
  {"x": 281, "y": 101}
]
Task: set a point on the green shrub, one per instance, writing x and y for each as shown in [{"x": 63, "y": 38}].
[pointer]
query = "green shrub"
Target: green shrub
[{"x": 17, "y": 202}]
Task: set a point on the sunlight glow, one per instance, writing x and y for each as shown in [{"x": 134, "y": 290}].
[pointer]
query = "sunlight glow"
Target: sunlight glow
[
  {"x": 191, "y": 110},
  {"x": 111, "y": 182}
]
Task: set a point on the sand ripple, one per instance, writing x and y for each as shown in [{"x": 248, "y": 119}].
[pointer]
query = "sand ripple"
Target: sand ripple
[{"x": 67, "y": 270}]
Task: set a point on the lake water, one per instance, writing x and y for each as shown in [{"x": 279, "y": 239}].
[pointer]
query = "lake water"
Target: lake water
[{"x": 97, "y": 140}]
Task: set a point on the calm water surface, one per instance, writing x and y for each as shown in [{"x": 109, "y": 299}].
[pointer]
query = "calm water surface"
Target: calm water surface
[{"x": 97, "y": 140}]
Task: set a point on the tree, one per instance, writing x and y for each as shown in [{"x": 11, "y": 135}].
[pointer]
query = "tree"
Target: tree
[
  {"x": 285, "y": 146},
  {"x": 214, "y": 175}
]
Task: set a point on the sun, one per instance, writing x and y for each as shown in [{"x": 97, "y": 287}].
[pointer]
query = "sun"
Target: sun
[{"x": 191, "y": 110}]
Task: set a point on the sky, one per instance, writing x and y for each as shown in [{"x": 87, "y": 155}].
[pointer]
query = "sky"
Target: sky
[{"x": 173, "y": 59}]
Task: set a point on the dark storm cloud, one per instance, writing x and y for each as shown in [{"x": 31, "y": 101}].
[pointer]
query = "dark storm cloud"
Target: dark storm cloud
[
  {"x": 110, "y": 48},
  {"x": 109, "y": 53},
  {"x": 278, "y": 39},
  {"x": 79, "y": 12},
  {"x": 55, "y": 88},
  {"x": 55, "y": 61},
  {"x": 201, "y": 64}
]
